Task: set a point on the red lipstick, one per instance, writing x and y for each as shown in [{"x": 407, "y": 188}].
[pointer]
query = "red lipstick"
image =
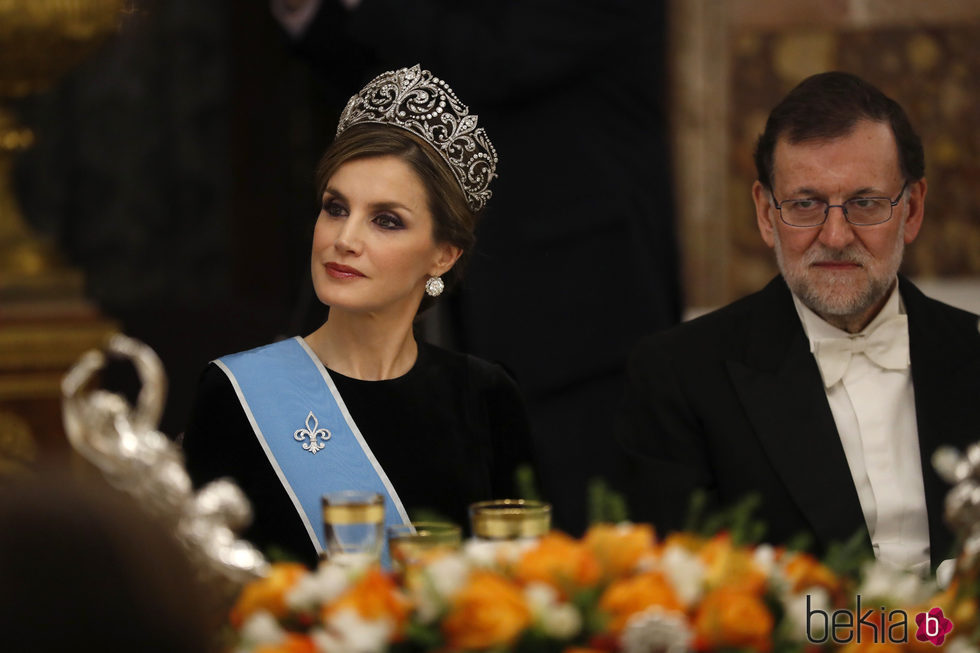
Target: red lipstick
[{"x": 338, "y": 271}]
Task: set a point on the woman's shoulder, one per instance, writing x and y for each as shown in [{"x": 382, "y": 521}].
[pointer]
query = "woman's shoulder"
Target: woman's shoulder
[
  {"x": 470, "y": 373},
  {"x": 477, "y": 370}
]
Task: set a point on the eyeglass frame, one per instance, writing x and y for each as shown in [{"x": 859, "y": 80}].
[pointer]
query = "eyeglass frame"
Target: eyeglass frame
[{"x": 826, "y": 211}]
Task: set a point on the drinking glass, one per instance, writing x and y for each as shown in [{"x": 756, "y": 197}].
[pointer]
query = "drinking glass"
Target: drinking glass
[
  {"x": 510, "y": 519},
  {"x": 410, "y": 543},
  {"x": 353, "y": 522}
]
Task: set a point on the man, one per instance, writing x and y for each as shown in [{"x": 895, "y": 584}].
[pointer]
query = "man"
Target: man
[{"x": 827, "y": 392}]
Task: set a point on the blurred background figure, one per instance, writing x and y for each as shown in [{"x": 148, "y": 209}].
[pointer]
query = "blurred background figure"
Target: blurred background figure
[
  {"x": 577, "y": 256},
  {"x": 83, "y": 568}
]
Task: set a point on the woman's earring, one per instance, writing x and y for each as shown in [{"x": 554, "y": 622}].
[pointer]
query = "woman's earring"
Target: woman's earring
[{"x": 434, "y": 286}]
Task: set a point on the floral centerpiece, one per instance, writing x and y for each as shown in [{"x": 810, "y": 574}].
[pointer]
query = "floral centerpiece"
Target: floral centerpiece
[{"x": 618, "y": 588}]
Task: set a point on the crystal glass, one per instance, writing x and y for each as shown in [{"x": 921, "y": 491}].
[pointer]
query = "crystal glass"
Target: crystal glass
[
  {"x": 410, "y": 543},
  {"x": 510, "y": 519},
  {"x": 353, "y": 522}
]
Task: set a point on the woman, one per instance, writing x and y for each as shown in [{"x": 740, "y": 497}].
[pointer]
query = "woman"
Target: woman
[{"x": 359, "y": 403}]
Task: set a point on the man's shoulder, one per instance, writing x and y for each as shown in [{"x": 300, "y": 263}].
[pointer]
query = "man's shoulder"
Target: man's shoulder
[
  {"x": 933, "y": 320},
  {"x": 724, "y": 329},
  {"x": 916, "y": 300}
]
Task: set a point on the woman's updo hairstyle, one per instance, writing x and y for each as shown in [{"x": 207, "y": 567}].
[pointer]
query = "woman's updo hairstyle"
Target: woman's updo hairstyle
[{"x": 453, "y": 221}]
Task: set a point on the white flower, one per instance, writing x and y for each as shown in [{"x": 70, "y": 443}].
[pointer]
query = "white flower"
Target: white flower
[
  {"x": 562, "y": 621},
  {"x": 448, "y": 573},
  {"x": 882, "y": 580},
  {"x": 795, "y": 606},
  {"x": 656, "y": 630},
  {"x": 764, "y": 557},
  {"x": 441, "y": 579},
  {"x": 489, "y": 553},
  {"x": 556, "y": 619},
  {"x": 324, "y": 585},
  {"x": 261, "y": 628},
  {"x": 346, "y": 632},
  {"x": 685, "y": 571},
  {"x": 482, "y": 553},
  {"x": 540, "y": 596}
]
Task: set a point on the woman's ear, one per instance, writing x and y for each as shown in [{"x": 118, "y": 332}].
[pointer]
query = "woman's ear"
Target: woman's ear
[{"x": 446, "y": 256}]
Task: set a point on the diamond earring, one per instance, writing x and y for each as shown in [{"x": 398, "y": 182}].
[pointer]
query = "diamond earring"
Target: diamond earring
[{"x": 434, "y": 286}]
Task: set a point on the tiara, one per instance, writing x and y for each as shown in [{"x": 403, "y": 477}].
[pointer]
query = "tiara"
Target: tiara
[{"x": 417, "y": 101}]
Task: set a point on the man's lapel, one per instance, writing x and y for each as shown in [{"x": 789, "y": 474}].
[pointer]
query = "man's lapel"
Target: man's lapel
[
  {"x": 945, "y": 352},
  {"x": 780, "y": 388}
]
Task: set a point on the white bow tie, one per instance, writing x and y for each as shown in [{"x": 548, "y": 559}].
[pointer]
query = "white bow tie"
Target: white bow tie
[{"x": 887, "y": 346}]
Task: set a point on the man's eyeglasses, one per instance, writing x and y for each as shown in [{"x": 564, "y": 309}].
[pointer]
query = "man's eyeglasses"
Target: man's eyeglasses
[{"x": 860, "y": 211}]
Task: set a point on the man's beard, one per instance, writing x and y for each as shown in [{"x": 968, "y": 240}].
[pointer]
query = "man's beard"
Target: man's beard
[{"x": 837, "y": 295}]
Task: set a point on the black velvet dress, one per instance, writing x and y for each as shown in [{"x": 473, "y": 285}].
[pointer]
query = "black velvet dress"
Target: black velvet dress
[{"x": 449, "y": 432}]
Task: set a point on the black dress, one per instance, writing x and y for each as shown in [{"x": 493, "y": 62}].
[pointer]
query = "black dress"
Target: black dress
[{"x": 449, "y": 432}]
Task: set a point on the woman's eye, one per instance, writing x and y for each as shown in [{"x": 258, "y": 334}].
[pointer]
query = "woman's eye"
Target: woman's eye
[
  {"x": 334, "y": 209},
  {"x": 388, "y": 221}
]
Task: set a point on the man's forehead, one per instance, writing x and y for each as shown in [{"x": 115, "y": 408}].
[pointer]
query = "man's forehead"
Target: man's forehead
[{"x": 867, "y": 151}]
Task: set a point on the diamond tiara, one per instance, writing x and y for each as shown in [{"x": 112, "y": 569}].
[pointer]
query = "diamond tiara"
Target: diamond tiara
[{"x": 417, "y": 101}]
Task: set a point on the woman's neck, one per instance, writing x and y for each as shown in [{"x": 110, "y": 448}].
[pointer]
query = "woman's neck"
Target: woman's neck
[{"x": 365, "y": 346}]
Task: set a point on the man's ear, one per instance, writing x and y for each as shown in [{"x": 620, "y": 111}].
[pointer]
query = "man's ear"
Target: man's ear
[
  {"x": 764, "y": 213},
  {"x": 916, "y": 210},
  {"x": 446, "y": 256}
]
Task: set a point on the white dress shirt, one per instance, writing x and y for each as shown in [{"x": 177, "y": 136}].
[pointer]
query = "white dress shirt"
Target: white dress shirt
[{"x": 874, "y": 410}]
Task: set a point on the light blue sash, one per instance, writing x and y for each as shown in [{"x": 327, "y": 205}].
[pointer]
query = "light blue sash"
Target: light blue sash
[{"x": 306, "y": 431}]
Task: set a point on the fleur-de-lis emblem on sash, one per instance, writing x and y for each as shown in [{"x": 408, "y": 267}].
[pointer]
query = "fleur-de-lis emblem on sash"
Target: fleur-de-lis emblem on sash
[{"x": 314, "y": 433}]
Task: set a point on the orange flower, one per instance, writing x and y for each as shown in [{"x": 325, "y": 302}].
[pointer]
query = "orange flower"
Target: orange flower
[
  {"x": 688, "y": 541},
  {"x": 488, "y": 611},
  {"x": 803, "y": 571},
  {"x": 626, "y": 597},
  {"x": 267, "y": 593},
  {"x": 733, "y": 618},
  {"x": 619, "y": 547},
  {"x": 731, "y": 567},
  {"x": 559, "y": 561},
  {"x": 294, "y": 643},
  {"x": 375, "y": 596}
]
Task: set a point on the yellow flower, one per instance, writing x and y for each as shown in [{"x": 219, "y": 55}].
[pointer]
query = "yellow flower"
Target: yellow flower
[
  {"x": 733, "y": 618},
  {"x": 488, "y": 611},
  {"x": 267, "y": 593},
  {"x": 731, "y": 567},
  {"x": 626, "y": 597},
  {"x": 619, "y": 547},
  {"x": 803, "y": 571},
  {"x": 374, "y": 596},
  {"x": 687, "y": 541},
  {"x": 559, "y": 561}
]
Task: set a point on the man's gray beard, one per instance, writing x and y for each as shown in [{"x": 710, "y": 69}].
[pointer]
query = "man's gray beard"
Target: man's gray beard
[{"x": 835, "y": 300}]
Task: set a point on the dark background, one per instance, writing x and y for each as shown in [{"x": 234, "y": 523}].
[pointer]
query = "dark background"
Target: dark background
[{"x": 175, "y": 168}]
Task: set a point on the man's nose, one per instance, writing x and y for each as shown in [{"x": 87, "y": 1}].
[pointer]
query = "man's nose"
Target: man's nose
[{"x": 836, "y": 232}]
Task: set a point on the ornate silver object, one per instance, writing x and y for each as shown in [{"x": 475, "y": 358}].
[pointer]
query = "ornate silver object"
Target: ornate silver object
[
  {"x": 122, "y": 442},
  {"x": 416, "y": 101},
  {"x": 963, "y": 500},
  {"x": 312, "y": 431}
]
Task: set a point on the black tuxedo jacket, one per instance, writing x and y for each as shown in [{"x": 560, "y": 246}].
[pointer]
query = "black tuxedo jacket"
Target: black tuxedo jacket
[{"x": 733, "y": 403}]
